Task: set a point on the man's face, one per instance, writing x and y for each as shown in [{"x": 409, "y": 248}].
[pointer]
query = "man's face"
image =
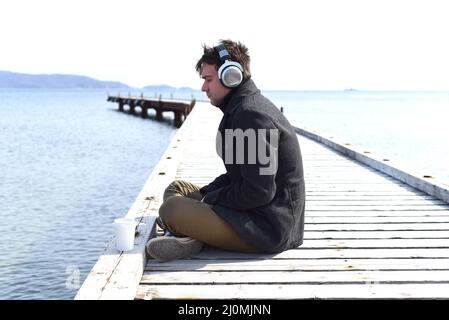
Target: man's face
[{"x": 216, "y": 92}]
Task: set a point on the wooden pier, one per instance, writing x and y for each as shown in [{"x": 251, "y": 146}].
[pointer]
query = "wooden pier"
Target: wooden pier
[
  {"x": 367, "y": 234},
  {"x": 180, "y": 108}
]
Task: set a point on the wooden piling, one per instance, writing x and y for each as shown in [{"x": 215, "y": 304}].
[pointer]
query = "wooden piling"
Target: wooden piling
[{"x": 180, "y": 108}]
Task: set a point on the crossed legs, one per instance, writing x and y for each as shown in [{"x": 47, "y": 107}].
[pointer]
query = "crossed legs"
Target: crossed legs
[{"x": 183, "y": 213}]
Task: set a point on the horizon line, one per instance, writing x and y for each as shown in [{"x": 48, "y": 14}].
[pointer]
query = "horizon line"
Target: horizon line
[{"x": 348, "y": 89}]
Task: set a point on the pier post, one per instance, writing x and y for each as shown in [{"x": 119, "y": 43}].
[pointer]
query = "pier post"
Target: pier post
[
  {"x": 178, "y": 118},
  {"x": 159, "y": 116},
  {"x": 132, "y": 107},
  {"x": 120, "y": 105},
  {"x": 144, "y": 108}
]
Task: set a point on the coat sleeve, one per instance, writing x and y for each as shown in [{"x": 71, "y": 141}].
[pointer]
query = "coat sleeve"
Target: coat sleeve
[
  {"x": 218, "y": 183},
  {"x": 255, "y": 186}
]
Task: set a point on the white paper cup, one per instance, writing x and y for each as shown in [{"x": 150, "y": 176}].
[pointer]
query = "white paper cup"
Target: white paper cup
[{"x": 124, "y": 229}]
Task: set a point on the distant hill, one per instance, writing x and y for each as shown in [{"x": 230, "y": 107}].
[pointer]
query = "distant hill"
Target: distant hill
[
  {"x": 54, "y": 81},
  {"x": 167, "y": 88}
]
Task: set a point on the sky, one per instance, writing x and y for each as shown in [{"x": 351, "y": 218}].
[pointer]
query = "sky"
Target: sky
[{"x": 294, "y": 45}]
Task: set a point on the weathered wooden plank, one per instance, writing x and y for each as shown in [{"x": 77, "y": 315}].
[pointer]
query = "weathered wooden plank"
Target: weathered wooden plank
[
  {"x": 389, "y": 219},
  {"x": 301, "y": 265},
  {"x": 342, "y": 189},
  {"x": 359, "y": 187},
  {"x": 326, "y": 253},
  {"x": 362, "y": 193},
  {"x": 322, "y": 291},
  {"x": 370, "y": 199},
  {"x": 313, "y": 181},
  {"x": 295, "y": 277},
  {"x": 411, "y": 234},
  {"x": 376, "y": 226},
  {"x": 310, "y": 212},
  {"x": 376, "y": 243},
  {"x": 314, "y": 206}
]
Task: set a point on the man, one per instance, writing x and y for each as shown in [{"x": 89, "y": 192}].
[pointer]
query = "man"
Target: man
[{"x": 258, "y": 204}]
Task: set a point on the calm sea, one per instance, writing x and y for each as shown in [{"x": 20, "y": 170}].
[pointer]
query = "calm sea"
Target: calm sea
[{"x": 70, "y": 164}]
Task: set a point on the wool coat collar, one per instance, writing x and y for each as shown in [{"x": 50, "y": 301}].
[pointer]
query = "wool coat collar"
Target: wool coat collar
[{"x": 230, "y": 102}]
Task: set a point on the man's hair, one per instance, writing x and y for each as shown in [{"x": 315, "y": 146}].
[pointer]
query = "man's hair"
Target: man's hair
[{"x": 238, "y": 52}]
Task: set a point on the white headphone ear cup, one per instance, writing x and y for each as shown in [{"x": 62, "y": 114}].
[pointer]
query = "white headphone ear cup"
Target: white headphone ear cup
[
  {"x": 231, "y": 77},
  {"x": 231, "y": 74}
]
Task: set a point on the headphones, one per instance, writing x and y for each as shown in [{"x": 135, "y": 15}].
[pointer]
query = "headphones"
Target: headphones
[{"x": 231, "y": 72}]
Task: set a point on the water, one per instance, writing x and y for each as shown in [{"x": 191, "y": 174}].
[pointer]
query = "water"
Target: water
[{"x": 70, "y": 164}]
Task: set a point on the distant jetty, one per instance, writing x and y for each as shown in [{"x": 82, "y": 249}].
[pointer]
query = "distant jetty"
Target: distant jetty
[{"x": 180, "y": 108}]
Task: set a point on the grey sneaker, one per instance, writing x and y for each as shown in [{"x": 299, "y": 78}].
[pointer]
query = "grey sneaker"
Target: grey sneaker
[
  {"x": 161, "y": 229},
  {"x": 161, "y": 223},
  {"x": 167, "y": 248}
]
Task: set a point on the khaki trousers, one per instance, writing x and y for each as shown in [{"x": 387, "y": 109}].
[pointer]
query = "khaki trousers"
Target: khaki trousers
[{"x": 183, "y": 213}]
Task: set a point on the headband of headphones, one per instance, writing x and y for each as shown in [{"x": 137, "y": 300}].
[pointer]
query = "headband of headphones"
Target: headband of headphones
[
  {"x": 222, "y": 52},
  {"x": 230, "y": 72}
]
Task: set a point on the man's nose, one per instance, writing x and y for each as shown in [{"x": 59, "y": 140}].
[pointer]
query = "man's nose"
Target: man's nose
[{"x": 204, "y": 87}]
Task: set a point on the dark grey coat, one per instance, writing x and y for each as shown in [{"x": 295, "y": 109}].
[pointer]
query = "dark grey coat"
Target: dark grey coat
[{"x": 267, "y": 211}]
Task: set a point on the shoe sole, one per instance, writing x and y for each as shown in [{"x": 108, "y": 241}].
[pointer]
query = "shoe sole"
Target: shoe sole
[{"x": 171, "y": 248}]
